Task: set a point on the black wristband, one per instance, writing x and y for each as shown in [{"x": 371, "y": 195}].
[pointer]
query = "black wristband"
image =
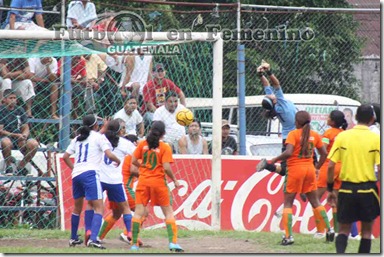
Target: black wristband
[
  {"x": 260, "y": 74},
  {"x": 269, "y": 72},
  {"x": 330, "y": 187}
]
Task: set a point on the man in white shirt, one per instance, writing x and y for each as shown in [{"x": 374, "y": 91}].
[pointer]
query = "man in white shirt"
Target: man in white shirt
[
  {"x": 167, "y": 113},
  {"x": 44, "y": 72},
  {"x": 136, "y": 74},
  {"x": 81, "y": 14},
  {"x": 132, "y": 118}
]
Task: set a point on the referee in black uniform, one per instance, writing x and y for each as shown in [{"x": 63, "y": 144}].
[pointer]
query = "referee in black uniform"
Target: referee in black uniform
[{"x": 358, "y": 149}]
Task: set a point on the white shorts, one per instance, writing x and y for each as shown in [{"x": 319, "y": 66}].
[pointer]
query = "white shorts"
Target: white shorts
[
  {"x": 23, "y": 88},
  {"x": 26, "y": 26},
  {"x": 142, "y": 84}
]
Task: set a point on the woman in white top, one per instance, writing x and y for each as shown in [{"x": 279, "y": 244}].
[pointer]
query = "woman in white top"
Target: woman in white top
[
  {"x": 88, "y": 148},
  {"x": 193, "y": 143},
  {"x": 112, "y": 179}
]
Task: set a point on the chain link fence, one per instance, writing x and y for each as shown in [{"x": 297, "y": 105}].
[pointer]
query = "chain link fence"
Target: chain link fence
[{"x": 325, "y": 64}]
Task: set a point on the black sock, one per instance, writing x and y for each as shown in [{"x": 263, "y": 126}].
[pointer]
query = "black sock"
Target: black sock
[
  {"x": 270, "y": 167},
  {"x": 365, "y": 245},
  {"x": 341, "y": 243}
]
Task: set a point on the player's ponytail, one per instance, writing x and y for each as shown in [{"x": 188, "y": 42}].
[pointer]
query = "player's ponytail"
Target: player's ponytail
[
  {"x": 89, "y": 121},
  {"x": 112, "y": 133},
  {"x": 303, "y": 119},
  {"x": 156, "y": 132},
  {"x": 339, "y": 119}
]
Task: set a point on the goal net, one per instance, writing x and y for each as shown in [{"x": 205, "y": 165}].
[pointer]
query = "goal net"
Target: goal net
[{"x": 189, "y": 64}]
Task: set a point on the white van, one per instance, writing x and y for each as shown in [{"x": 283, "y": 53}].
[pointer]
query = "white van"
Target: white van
[{"x": 263, "y": 133}]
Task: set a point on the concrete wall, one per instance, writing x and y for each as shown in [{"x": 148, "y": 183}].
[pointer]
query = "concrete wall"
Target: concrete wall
[{"x": 368, "y": 72}]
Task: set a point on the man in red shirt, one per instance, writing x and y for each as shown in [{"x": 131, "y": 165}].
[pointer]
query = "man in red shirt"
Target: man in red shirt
[
  {"x": 154, "y": 93},
  {"x": 78, "y": 81}
]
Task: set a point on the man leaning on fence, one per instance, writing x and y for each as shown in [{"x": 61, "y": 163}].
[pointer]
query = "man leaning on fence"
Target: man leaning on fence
[
  {"x": 14, "y": 131},
  {"x": 44, "y": 76},
  {"x": 15, "y": 74}
]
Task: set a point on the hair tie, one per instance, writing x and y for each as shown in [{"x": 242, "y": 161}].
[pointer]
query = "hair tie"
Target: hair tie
[
  {"x": 307, "y": 122},
  {"x": 117, "y": 131},
  {"x": 93, "y": 124}
]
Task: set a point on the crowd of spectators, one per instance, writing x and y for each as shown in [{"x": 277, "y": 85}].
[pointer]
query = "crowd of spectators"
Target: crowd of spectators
[{"x": 130, "y": 87}]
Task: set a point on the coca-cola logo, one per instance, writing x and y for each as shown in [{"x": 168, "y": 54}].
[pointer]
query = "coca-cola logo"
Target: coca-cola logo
[{"x": 263, "y": 214}]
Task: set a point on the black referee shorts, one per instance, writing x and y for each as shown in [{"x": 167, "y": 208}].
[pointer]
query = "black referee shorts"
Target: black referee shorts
[{"x": 358, "y": 201}]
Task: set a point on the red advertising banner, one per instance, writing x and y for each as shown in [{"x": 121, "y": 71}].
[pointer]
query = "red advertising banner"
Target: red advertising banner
[{"x": 250, "y": 201}]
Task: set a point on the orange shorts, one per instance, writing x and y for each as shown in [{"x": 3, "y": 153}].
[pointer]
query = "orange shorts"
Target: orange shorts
[
  {"x": 300, "y": 179},
  {"x": 159, "y": 195},
  {"x": 322, "y": 180},
  {"x": 131, "y": 200}
]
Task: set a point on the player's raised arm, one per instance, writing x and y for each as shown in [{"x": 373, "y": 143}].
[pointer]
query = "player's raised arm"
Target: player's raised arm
[{"x": 267, "y": 68}]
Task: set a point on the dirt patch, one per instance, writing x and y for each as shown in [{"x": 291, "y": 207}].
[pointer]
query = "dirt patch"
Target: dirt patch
[{"x": 190, "y": 245}]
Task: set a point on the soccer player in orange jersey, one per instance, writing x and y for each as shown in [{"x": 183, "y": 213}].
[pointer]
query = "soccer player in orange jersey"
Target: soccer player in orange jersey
[
  {"x": 301, "y": 173},
  {"x": 338, "y": 123},
  {"x": 129, "y": 178},
  {"x": 156, "y": 159}
]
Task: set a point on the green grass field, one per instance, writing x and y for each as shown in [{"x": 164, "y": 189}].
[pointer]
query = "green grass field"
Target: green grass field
[{"x": 55, "y": 241}]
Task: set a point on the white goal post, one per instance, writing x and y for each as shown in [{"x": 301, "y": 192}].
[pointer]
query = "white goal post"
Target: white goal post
[{"x": 217, "y": 41}]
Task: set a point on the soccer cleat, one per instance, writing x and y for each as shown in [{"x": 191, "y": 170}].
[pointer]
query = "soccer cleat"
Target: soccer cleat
[
  {"x": 134, "y": 248},
  {"x": 74, "y": 242},
  {"x": 287, "y": 241},
  {"x": 357, "y": 237},
  {"x": 128, "y": 239},
  {"x": 125, "y": 239},
  {"x": 175, "y": 248},
  {"x": 330, "y": 235},
  {"x": 319, "y": 235},
  {"x": 261, "y": 165},
  {"x": 95, "y": 244}
]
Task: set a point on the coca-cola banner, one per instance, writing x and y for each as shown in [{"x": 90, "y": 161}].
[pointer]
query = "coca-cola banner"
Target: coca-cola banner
[{"x": 250, "y": 201}]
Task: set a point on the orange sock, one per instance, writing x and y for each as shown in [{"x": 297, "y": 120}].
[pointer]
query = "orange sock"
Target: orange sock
[
  {"x": 287, "y": 221},
  {"x": 171, "y": 230},
  {"x": 108, "y": 223},
  {"x": 320, "y": 225},
  {"x": 323, "y": 216}
]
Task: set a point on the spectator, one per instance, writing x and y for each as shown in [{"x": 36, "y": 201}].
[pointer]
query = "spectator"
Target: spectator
[
  {"x": 193, "y": 143},
  {"x": 375, "y": 127},
  {"x": 133, "y": 120},
  {"x": 17, "y": 76},
  {"x": 44, "y": 72},
  {"x": 14, "y": 130},
  {"x": 23, "y": 19},
  {"x": 79, "y": 82},
  {"x": 154, "y": 93},
  {"x": 136, "y": 74},
  {"x": 228, "y": 143},
  {"x": 167, "y": 114},
  {"x": 109, "y": 90},
  {"x": 95, "y": 69},
  {"x": 81, "y": 14}
]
